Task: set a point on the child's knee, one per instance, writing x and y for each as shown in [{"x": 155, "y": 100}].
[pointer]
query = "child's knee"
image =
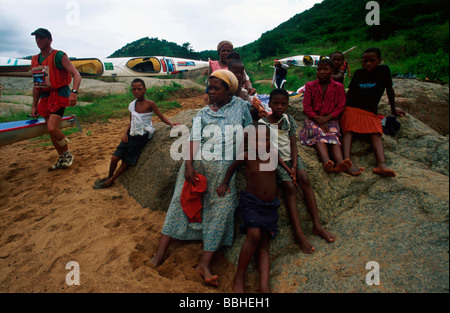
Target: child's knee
[
  {"x": 303, "y": 178},
  {"x": 254, "y": 236},
  {"x": 289, "y": 188},
  {"x": 115, "y": 159}
]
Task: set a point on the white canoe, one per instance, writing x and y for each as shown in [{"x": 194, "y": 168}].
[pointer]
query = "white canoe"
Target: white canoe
[
  {"x": 302, "y": 60},
  {"x": 112, "y": 67}
]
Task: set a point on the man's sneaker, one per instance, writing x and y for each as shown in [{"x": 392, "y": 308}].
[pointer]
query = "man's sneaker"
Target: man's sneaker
[
  {"x": 67, "y": 160},
  {"x": 57, "y": 165}
]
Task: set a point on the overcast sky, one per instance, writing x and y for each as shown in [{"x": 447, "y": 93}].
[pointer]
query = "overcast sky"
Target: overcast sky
[{"x": 97, "y": 28}]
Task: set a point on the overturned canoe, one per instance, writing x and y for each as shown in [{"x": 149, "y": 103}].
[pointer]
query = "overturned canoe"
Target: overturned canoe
[
  {"x": 302, "y": 60},
  {"x": 11, "y": 132},
  {"x": 112, "y": 67}
]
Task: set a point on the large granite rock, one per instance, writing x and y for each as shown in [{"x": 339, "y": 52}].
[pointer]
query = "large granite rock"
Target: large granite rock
[{"x": 401, "y": 223}]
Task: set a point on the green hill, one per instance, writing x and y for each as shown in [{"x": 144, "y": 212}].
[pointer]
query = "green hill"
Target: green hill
[
  {"x": 154, "y": 46},
  {"x": 413, "y": 36}
]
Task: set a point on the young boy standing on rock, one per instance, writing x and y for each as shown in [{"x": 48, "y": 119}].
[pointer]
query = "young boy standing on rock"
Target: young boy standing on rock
[
  {"x": 258, "y": 205},
  {"x": 138, "y": 133}
]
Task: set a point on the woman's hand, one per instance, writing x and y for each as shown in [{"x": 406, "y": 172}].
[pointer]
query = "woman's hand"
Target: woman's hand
[{"x": 190, "y": 175}]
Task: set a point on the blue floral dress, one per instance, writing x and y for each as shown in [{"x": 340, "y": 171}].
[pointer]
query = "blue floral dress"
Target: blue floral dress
[{"x": 217, "y": 225}]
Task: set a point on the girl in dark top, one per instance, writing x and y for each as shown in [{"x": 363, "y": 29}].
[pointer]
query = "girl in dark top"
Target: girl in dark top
[{"x": 360, "y": 115}]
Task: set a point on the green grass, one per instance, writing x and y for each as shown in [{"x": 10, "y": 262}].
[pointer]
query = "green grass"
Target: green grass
[{"x": 113, "y": 106}]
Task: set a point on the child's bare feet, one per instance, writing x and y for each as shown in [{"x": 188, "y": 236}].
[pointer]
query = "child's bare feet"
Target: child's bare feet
[
  {"x": 354, "y": 171},
  {"x": 383, "y": 170},
  {"x": 343, "y": 166},
  {"x": 210, "y": 279},
  {"x": 325, "y": 234},
  {"x": 305, "y": 245},
  {"x": 328, "y": 167}
]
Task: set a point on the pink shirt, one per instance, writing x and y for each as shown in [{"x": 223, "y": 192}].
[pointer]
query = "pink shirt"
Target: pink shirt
[
  {"x": 333, "y": 103},
  {"x": 215, "y": 65}
]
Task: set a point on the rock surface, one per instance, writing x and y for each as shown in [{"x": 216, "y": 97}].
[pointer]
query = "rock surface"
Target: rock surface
[{"x": 401, "y": 223}]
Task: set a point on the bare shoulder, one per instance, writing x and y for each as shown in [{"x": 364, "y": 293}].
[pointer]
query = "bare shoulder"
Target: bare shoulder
[{"x": 150, "y": 106}]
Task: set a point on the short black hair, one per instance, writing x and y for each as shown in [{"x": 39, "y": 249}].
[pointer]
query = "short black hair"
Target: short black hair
[
  {"x": 138, "y": 80},
  {"x": 337, "y": 52},
  {"x": 327, "y": 62},
  {"x": 233, "y": 55},
  {"x": 233, "y": 62},
  {"x": 373, "y": 50},
  {"x": 278, "y": 91}
]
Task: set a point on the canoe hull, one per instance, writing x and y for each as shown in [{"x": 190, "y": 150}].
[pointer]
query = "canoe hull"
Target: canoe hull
[
  {"x": 302, "y": 60},
  {"x": 112, "y": 67},
  {"x": 12, "y": 132}
]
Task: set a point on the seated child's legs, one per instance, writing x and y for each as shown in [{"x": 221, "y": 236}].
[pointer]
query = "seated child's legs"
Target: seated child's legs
[
  {"x": 378, "y": 148},
  {"x": 311, "y": 204},
  {"x": 347, "y": 140}
]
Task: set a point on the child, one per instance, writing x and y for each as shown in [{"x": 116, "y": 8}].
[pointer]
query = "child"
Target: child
[
  {"x": 237, "y": 68},
  {"x": 360, "y": 115},
  {"x": 258, "y": 205},
  {"x": 323, "y": 103},
  {"x": 247, "y": 85},
  {"x": 287, "y": 147},
  {"x": 338, "y": 74},
  {"x": 138, "y": 133}
]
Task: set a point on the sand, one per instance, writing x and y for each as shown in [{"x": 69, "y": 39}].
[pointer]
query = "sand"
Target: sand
[{"x": 48, "y": 219}]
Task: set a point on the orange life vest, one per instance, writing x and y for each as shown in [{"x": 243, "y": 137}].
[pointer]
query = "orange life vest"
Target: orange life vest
[
  {"x": 58, "y": 77},
  {"x": 53, "y": 84}
]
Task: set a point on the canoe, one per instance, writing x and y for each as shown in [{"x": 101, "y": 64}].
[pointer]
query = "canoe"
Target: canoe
[
  {"x": 11, "y": 132},
  {"x": 112, "y": 67},
  {"x": 302, "y": 60}
]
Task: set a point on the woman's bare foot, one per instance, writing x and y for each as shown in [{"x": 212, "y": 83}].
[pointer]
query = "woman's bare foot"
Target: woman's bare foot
[
  {"x": 153, "y": 262},
  {"x": 328, "y": 167},
  {"x": 382, "y": 170},
  {"x": 325, "y": 234},
  {"x": 354, "y": 171},
  {"x": 343, "y": 166},
  {"x": 210, "y": 279}
]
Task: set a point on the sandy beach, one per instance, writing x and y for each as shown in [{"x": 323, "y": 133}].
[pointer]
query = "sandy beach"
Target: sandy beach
[{"x": 48, "y": 219}]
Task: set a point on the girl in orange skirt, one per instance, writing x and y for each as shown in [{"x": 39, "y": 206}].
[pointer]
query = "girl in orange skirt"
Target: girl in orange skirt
[{"x": 360, "y": 116}]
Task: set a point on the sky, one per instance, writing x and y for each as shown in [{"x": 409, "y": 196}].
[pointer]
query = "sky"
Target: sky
[{"x": 97, "y": 28}]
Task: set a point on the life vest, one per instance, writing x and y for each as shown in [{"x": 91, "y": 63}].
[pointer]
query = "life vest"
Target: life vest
[{"x": 47, "y": 74}]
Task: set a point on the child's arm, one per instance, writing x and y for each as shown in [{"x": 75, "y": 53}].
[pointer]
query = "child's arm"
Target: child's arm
[
  {"x": 223, "y": 188},
  {"x": 125, "y": 135},
  {"x": 161, "y": 116},
  {"x": 338, "y": 107},
  {"x": 391, "y": 97},
  {"x": 308, "y": 102},
  {"x": 294, "y": 154}
]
